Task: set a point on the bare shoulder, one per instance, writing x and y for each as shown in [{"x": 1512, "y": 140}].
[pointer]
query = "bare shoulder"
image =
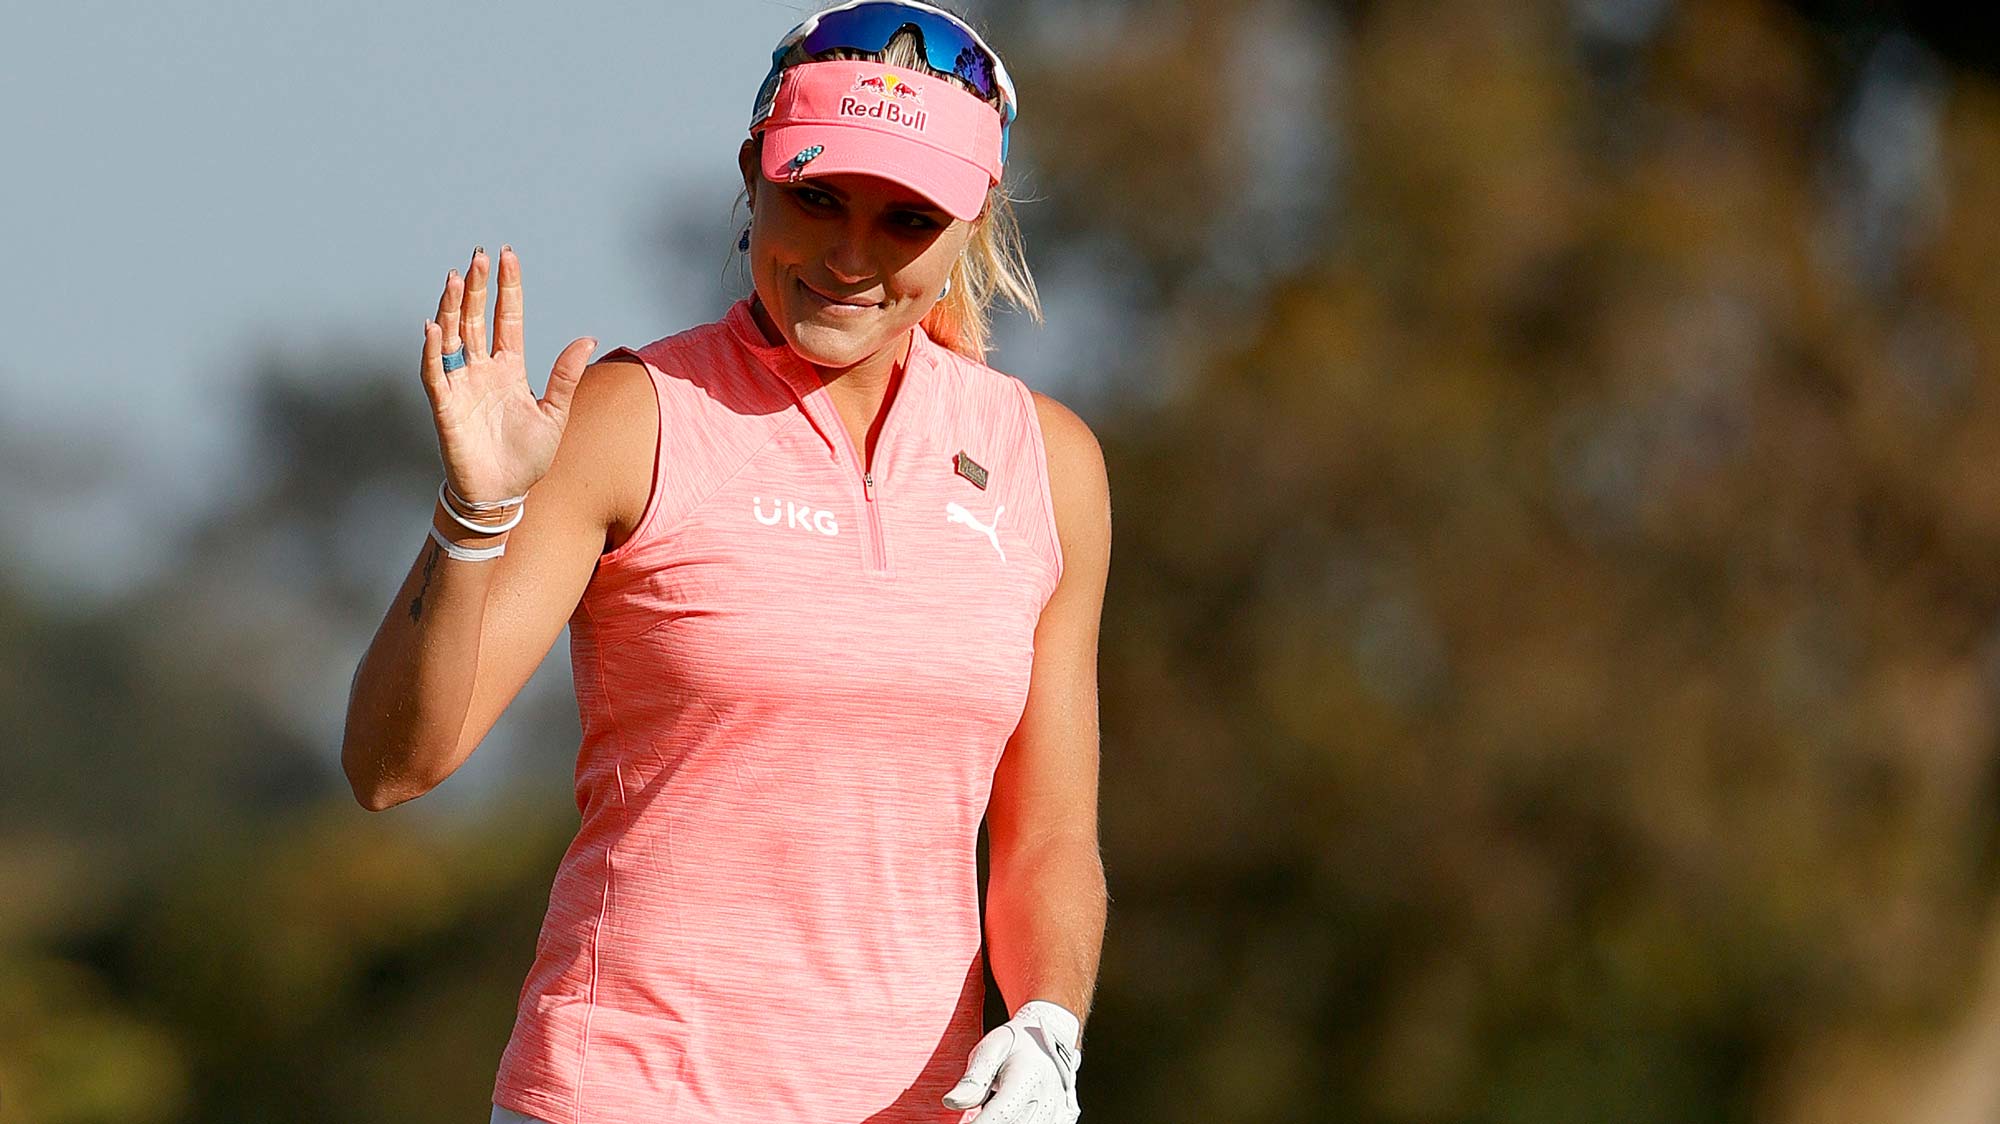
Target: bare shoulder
[
  {"x": 1062, "y": 426},
  {"x": 1079, "y": 485},
  {"x": 605, "y": 460},
  {"x": 607, "y": 386}
]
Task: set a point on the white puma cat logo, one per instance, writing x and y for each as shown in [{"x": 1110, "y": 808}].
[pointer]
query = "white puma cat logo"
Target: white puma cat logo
[{"x": 954, "y": 513}]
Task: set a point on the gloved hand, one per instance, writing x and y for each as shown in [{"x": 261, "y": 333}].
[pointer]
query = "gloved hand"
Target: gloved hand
[{"x": 1029, "y": 1064}]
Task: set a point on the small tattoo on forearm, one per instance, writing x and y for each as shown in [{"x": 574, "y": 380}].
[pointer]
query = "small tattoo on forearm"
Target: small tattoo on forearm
[{"x": 430, "y": 566}]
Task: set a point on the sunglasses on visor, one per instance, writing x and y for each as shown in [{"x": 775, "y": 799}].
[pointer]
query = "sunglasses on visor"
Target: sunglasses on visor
[{"x": 867, "y": 25}]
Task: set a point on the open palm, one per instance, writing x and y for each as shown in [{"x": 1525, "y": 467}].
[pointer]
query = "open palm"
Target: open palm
[{"x": 497, "y": 439}]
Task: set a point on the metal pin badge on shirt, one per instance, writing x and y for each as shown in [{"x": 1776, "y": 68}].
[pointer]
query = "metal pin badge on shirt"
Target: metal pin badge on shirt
[{"x": 970, "y": 469}]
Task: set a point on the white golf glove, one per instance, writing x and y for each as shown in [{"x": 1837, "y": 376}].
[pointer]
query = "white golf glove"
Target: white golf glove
[{"x": 1029, "y": 1064}]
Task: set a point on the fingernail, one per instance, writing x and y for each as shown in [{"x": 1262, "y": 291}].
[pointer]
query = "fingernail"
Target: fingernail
[
  {"x": 478, "y": 250},
  {"x": 504, "y": 247}
]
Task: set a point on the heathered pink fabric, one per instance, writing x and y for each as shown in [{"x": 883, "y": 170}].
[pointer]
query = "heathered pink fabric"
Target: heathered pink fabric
[{"x": 793, "y": 700}]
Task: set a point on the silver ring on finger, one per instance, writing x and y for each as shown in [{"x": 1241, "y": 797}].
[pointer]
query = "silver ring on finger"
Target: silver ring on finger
[{"x": 455, "y": 359}]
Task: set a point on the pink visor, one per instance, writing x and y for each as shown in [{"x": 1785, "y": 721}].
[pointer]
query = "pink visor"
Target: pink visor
[{"x": 914, "y": 128}]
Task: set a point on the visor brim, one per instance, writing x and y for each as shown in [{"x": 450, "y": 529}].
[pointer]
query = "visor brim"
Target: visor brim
[{"x": 956, "y": 185}]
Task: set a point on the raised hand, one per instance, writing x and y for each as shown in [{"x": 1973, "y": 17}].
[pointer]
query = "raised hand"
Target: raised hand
[{"x": 496, "y": 438}]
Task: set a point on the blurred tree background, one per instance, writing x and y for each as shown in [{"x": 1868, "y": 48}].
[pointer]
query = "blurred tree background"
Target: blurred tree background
[{"x": 1552, "y": 651}]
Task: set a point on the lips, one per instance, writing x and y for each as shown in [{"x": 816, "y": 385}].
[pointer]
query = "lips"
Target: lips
[{"x": 835, "y": 301}]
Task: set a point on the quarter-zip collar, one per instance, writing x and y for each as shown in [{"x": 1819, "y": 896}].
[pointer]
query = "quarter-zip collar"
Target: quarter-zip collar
[{"x": 913, "y": 403}]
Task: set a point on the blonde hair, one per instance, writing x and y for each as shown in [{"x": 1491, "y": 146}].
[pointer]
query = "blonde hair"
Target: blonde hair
[{"x": 992, "y": 265}]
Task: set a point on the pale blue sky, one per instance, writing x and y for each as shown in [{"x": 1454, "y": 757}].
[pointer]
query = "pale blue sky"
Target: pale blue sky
[
  {"x": 187, "y": 185},
  {"x": 185, "y": 191}
]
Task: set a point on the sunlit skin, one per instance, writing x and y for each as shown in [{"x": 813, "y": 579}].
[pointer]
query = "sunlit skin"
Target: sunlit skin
[{"x": 843, "y": 266}]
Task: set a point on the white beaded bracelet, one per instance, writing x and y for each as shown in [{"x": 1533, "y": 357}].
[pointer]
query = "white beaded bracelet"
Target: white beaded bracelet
[
  {"x": 482, "y": 528},
  {"x": 467, "y": 553}
]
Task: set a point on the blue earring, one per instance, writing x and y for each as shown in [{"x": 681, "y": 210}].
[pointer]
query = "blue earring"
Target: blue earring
[
  {"x": 946, "y": 291},
  {"x": 743, "y": 240}
]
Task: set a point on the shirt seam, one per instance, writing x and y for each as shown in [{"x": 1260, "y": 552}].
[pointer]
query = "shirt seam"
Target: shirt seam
[
  {"x": 655, "y": 489},
  {"x": 642, "y": 537},
  {"x": 709, "y": 496},
  {"x": 605, "y": 896},
  {"x": 665, "y": 621},
  {"x": 1040, "y": 446}
]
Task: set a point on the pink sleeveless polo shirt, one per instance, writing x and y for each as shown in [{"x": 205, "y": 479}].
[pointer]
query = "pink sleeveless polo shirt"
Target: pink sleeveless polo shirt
[{"x": 795, "y": 684}]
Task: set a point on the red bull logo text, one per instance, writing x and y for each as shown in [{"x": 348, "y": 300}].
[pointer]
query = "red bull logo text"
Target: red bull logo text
[
  {"x": 886, "y": 110},
  {"x": 897, "y": 104}
]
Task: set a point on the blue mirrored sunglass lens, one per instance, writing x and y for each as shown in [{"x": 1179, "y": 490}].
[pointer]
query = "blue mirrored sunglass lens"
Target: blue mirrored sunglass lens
[{"x": 870, "y": 27}]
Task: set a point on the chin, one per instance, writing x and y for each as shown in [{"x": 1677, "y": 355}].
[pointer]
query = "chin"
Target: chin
[{"x": 829, "y": 345}]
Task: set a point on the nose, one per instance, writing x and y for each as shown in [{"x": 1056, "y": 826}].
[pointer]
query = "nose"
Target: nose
[{"x": 848, "y": 257}]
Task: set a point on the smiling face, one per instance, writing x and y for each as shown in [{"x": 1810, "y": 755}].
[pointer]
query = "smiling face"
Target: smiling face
[{"x": 846, "y": 264}]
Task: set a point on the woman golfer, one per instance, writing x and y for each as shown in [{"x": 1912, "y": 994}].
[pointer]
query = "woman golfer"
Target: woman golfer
[{"x": 833, "y": 589}]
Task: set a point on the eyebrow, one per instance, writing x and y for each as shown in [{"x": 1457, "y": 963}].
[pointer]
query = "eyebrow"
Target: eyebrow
[{"x": 899, "y": 203}]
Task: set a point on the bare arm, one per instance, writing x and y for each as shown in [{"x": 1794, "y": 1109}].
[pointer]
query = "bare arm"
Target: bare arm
[
  {"x": 462, "y": 637},
  {"x": 1046, "y": 897}
]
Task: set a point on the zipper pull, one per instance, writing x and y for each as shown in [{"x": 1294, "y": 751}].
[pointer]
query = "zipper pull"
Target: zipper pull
[{"x": 868, "y": 485}]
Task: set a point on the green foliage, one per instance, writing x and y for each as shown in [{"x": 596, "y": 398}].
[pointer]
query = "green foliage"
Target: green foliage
[{"x": 1548, "y": 668}]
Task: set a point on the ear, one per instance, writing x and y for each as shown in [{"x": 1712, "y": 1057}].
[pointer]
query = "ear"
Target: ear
[{"x": 746, "y": 162}]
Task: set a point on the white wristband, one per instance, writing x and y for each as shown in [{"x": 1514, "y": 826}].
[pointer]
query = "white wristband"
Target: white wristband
[
  {"x": 482, "y": 528},
  {"x": 484, "y": 505},
  {"x": 467, "y": 553}
]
